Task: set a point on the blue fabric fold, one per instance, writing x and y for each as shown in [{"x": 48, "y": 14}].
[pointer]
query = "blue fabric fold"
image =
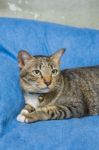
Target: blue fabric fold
[{"x": 82, "y": 49}]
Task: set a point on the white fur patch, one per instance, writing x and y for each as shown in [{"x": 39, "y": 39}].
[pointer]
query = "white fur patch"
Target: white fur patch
[
  {"x": 21, "y": 118},
  {"x": 26, "y": 120},
  {"x": 24, "y": 111},
  {"x": 32, "y": 99}
]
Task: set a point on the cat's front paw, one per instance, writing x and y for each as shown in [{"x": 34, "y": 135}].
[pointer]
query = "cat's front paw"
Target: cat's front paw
[
  {"x": 26, "y": 117},
  {"x": 29, "y": 118},
  {"x": 20, "y": 118}
]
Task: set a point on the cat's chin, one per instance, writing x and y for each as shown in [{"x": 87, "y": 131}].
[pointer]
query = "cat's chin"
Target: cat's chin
[
  {"x": 45, "y": 90},
  {"x": 38, "y": 89}
]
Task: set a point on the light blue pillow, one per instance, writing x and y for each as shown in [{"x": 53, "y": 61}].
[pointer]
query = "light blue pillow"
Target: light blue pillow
[{"x": 43, "y": 38}]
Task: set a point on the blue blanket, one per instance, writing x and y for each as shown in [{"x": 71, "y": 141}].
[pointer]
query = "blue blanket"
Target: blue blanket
[{"x": 43, "y": 38}]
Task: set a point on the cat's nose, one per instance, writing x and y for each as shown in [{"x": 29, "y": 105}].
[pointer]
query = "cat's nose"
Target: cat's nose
[{"x": 47, "y": 82}]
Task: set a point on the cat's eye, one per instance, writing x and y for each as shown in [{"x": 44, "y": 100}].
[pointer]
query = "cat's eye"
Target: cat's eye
[
  {"x": 55, "y": 71},
  {"x": 36, "y": 72}
]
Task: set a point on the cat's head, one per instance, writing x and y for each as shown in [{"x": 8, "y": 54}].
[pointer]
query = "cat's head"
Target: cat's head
[{"x": 39, "y": 74}]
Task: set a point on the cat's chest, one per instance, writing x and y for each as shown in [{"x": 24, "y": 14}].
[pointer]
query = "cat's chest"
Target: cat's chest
[{"x": 32, "y": 99}]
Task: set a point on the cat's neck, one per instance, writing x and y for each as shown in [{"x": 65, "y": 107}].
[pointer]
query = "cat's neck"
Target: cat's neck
[{"x": 59, "y": 90}]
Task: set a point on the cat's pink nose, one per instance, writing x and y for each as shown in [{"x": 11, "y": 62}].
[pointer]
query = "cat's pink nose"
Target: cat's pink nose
[{"x": 47, "y": 82}]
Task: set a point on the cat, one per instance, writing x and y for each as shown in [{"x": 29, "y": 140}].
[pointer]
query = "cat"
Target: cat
[{"x": 52, "y": 94}]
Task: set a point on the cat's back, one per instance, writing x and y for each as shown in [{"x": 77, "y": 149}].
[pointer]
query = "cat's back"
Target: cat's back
[
  {"x": 83, "y": 72},
  {"x": 84, "y": 76},
  {"x": 80, "y": 81}
]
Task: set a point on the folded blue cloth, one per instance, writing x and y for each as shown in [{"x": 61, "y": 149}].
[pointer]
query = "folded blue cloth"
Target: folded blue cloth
[{"x": 43, "y": 38}]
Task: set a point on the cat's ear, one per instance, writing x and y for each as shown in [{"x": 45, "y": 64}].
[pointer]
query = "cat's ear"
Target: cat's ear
[
  {"x": 57, "y": 56},
  {"x": 23, "y": 56}
]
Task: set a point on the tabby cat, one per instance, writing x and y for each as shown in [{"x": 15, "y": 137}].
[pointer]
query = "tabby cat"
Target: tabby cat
[{"x": 54, "y": 94}]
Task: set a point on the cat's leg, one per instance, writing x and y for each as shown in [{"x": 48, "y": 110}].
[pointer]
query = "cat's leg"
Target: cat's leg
[
  {"x": 48, "y": 113},
  {"x": 27, "y": 109}
]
